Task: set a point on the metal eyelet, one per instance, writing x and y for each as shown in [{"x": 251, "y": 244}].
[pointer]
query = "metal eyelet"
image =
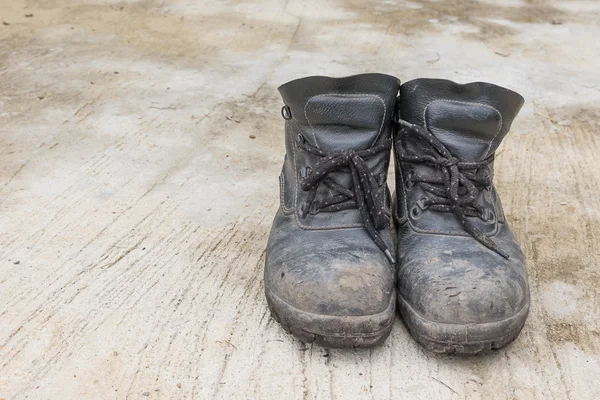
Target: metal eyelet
[
  {"x": 488, "y": 216},
  {"x": 286, "y": 113},
  {"x": 299, "y": 140},
  {"x": 415, "y": 212},
  {"x": 305, "y": 172}
]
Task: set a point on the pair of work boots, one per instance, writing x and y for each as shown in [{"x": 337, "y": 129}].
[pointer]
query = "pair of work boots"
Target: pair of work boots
[{"x": 341, "y": 252}]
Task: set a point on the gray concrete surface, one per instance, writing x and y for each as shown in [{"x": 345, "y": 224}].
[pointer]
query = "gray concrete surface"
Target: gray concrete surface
[{"x": 135, "y": 204}]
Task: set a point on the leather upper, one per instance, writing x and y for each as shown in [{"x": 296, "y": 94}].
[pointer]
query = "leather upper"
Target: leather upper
[
  {"x": 444, "y": 274},
  {"x": 326, "y": 262}
]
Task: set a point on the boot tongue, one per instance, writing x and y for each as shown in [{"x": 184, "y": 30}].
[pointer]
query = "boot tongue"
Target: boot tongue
[
  {"x": 467, "y": 130},
  {"x": 341, "y": 122},
  {"x": 470, "y": 120}
]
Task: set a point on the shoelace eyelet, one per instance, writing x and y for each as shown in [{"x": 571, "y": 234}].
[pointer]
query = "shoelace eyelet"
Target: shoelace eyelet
[
  {"x": 421, "y": 204},
  {"x": 286, "y": 113},
  {"x": 415, "y": 212},
  {"x": 299, "y": 140},
  {"x": 304, "y": 172},
  {"x": 488, "y": 216}
]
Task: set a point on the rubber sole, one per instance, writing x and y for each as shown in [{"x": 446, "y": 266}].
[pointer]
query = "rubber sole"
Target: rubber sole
[
  {"x": 333, "y": 331},
  {"x": 463, "y": 339}
]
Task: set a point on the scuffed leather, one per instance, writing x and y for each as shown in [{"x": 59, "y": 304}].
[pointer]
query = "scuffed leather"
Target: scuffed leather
[
  {"x": 327, "y": 263},
  {"x": 444, "y": 274},
  {"x": 332, "y": 272},
  {"x": 456, "y": 280}
]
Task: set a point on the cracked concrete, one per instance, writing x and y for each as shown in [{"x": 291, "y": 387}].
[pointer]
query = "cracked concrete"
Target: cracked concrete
[{"x": 135, "y": 206}]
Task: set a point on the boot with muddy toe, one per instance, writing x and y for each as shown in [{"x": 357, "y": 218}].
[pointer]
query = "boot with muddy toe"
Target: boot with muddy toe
[
  {"x": 462, "y": 281},
  {"x": 329, "y": 272}
]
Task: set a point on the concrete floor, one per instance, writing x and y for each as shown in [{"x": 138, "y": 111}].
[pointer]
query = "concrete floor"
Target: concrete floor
[{"x": 135, "y": 204}]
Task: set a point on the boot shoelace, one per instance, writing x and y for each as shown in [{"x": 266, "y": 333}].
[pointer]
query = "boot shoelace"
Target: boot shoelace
[
  {"x": 455, "y": 174},
  {"x": 366, "y": 193}
]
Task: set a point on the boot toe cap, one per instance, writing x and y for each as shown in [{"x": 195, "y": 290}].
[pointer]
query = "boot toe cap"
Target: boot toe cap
[
  {"x": 468, "y": 288},
  {"x": 337, "y": 287}
]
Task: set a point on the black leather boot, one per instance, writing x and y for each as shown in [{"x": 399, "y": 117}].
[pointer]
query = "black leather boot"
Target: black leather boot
[
  {"x": 461, "y": 274},
  {"x": 329, "y": 272}
]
